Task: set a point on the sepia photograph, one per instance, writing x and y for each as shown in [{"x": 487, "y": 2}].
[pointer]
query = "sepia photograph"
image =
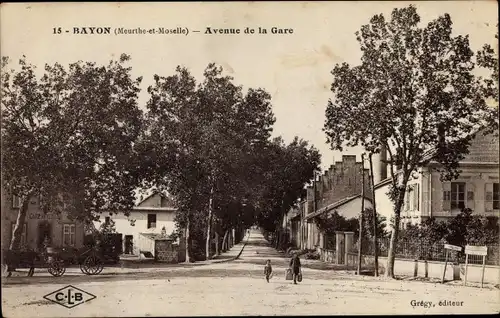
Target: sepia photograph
[{"x": 261, "y": 158}]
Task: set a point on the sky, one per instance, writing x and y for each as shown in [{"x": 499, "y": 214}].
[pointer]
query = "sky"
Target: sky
[{"x": 294, "y": 68}]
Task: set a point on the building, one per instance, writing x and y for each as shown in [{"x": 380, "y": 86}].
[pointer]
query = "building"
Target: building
[
  {"x": 57, "y": 228},
  {"x": 476, "y": 188},
  {"x": 339, "y": 188},
  {"x": 147, "y": 220}
]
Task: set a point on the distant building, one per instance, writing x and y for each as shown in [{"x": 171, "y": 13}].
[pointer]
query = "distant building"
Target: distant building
[
  {"x": 57, "y": 228},
  {"x": 144, "y": 224}
]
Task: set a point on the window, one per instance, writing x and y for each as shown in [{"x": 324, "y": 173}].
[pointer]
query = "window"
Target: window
[
  {"x": 151, "y": 221},
  {"x": 69, "y": 235},
  {"x": 16, "y": 201},
  {"x": 107, "y": 220},
  {"x": 23, "y": 235},
  {"x": 496, "y": 196},
  {"x": 458, "y": 195}
]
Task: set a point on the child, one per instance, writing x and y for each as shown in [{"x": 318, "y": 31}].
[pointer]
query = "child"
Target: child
[
  {"x": 268, "y": 270},
  {"x": 295, "y": 266}
]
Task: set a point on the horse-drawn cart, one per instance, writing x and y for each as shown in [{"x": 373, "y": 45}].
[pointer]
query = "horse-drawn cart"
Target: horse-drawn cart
[
  {"x": 91, "y": 259},
  {"x": 49, "y": 259}
]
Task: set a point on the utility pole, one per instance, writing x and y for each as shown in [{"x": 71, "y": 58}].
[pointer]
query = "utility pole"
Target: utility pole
[
  {"x": 361, "y": 212},
  {"x": 375, "y": 217},
  {"x": 315, "y": 202}
]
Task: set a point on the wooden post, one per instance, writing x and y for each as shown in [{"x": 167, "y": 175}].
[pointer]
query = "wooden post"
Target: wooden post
[
  {"x": 426, "y": 269},
  {"x": 375, "y": 218},
  {"x": 415, "y": 269},
  {"x": 466, "y": 265},
  {"x": 482, "y": 275},
  {"x": 361, "y": 213},
  {"x": 445, "y": 265}
]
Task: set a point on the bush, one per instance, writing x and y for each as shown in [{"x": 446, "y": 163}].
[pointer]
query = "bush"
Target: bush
[
  {"x": 312, "y": 255},
  {"x": 465, "y": 228}
]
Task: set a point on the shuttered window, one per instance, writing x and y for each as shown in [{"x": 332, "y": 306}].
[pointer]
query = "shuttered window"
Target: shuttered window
[
  {"x": 446, "y": 196},
  {"x": 458, "y": 195},
  {"x": 488, "y": 202}
]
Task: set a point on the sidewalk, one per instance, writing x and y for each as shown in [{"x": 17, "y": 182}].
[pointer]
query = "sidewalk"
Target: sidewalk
[{"x": 132, "y": 266}]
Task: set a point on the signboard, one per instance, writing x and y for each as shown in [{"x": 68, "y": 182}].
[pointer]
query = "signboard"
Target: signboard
[
  {"x": 45, "y": 216},
  {"x": 476, "y": 250},
  {"x": 453, "y": 247}
]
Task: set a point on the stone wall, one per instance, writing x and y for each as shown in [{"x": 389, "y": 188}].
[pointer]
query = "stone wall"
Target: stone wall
[{"x": 166, "y": 251}]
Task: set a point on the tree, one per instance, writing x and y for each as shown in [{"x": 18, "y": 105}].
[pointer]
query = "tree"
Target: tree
[
  {"x": 487, "y": 58},
  {"x": 68, "y": 137},
  {"x": 285, "y": 170},
  {"x": 200, "y": 140},
  {"x": 108, "y": 227},
  {"x": 405, "y": 98}
]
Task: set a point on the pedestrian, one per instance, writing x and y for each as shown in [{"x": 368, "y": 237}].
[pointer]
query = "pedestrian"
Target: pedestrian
[
  {"x": 268, "y": 270},
  {"x": 295, "y": 267}
]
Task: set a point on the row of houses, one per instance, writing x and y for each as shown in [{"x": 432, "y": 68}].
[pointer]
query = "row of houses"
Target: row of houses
[
  {"x": 339, "y": 189},
  {"x": 149, "y": 219}
]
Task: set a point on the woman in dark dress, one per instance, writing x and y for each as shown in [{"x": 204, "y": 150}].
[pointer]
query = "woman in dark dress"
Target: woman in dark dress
[{"x": 295, "y": 266}]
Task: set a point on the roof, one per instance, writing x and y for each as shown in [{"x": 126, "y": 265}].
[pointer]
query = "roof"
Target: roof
[
  {"x": 383, "y": 183},
  {"x": 142, "y": 194},
  {"x": 334, "y": 206},
  {"x": 148, "y": 208},
  {"x": 429, "y": 155}
]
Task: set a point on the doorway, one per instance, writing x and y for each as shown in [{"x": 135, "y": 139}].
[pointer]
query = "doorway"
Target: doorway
[
  {"x": 44, "y": 234},
  {"x": 129, "y": 242}
]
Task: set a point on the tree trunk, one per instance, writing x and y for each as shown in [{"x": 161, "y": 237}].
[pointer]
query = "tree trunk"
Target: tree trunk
[
  {"x": 188, "y": 242},
  {"x": 374, "y": 217},
  {"x": 217, "y": 250},
  {"x": 18, "y": 229},
  {"x": 391, "y": 257},
  {"x": 224, "y": 241},
  {"x": 209, "y": 225},
  {"x": 360, "y": 239}
]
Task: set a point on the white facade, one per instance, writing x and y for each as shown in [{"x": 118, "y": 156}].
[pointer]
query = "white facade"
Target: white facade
[
  {"x": 149, "y": 216},
  {"x": 351, "y": 209},
  {"x": 476, "y": 188}
]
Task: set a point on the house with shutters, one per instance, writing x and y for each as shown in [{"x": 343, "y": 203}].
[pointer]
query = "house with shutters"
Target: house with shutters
[{"x": 476, "y": 188}]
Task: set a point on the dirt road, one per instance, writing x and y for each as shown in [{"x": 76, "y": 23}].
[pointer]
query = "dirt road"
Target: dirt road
[{"x": 239, "y": 288}]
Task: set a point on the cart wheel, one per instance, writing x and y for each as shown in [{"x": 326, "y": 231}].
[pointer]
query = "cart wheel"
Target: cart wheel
[
  {"x": 57, "y": 268},
  {"x": 92, "y": 265}
]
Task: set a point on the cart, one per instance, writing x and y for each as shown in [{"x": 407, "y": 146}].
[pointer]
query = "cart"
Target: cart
[{"x": 49, "y": 259}]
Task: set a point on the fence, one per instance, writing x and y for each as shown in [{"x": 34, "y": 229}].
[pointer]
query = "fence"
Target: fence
[{"x": 423, "y": 251}]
